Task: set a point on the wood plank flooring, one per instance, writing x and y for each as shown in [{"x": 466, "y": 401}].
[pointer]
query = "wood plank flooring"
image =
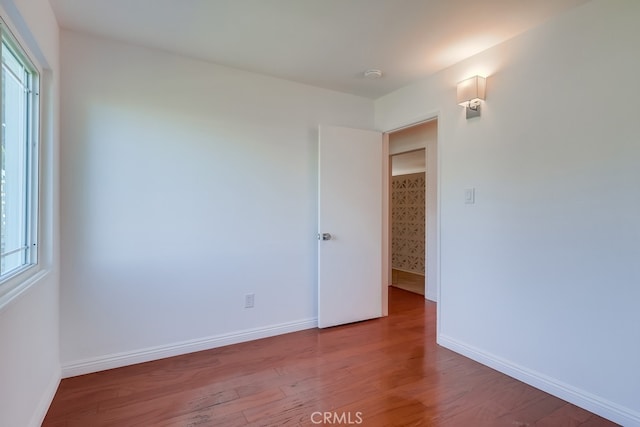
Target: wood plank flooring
[{"x": 384, "y": 372}]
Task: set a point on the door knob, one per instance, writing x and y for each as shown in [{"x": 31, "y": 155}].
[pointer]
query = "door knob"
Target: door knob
[{"x": 324, "y": 236}]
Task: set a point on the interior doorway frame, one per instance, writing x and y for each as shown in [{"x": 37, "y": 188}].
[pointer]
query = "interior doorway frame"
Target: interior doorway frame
[
  {"x": 424, "y": 153},
  {"x": 386, "y": 199}
]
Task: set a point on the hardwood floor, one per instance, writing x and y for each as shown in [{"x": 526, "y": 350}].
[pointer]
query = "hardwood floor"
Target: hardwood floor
[{"x": 384, "y": 372}]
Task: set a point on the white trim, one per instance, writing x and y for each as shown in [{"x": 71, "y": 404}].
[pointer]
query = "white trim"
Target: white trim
[
  {"x": 430, "y": 294},
  {"x": 386, "y": 224},
  {"x": 117, "y": 360},
  {"x": 47, "y": 397},
  {"x": 22, "y": 33},
  {"x": 404, "y": 124},
  {"x": 14, "y": 291},
  {"x": 16, "y": 282},
  {"x": 590, "y": 402}
]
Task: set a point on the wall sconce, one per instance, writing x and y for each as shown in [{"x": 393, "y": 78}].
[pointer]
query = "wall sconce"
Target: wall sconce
[{"x": 470, "y": 92}]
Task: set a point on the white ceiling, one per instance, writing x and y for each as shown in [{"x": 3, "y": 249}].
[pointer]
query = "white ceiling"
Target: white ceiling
[{"x": 325, "y": 43}]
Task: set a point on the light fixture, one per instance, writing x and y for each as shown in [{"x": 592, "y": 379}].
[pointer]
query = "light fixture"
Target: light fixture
[
  {"x": 470, "y": 92},
  {"x": 373, "y": 73}
]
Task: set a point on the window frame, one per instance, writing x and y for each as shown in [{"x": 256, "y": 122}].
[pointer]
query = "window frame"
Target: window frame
[{"x": 19, "y": 278}]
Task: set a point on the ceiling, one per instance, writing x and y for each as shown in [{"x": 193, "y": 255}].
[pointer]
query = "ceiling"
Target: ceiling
[{"x": 324, "y": 43}]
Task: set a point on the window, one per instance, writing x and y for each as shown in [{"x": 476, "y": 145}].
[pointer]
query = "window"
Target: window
[{"x": 18, "y": 158}]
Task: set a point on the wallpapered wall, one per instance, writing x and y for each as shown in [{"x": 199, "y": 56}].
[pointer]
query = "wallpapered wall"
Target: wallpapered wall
[{"x": 408, "y": 222}]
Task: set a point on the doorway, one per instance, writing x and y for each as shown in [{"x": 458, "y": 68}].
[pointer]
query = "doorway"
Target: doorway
[
  {"x": 413, "y": 208},
  {"x": 408, "y": 220}
]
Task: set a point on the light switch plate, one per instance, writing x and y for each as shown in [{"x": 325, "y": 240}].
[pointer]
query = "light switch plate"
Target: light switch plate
[{"x": 469, "y": 196}]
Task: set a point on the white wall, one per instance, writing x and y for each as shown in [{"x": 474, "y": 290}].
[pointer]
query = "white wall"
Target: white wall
[
  {"x": 540, "y": 277},
  {"x": 185, "y": 185},
  {"x": 29, "y": 352}
]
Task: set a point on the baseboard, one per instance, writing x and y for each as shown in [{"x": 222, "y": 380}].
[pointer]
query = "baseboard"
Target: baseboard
[
  {"x": 604, "y": 408},
  {"x": 408, "y": 271},
  {"x": 45, "y": 401},
  {"x": 118, "y": 360}
]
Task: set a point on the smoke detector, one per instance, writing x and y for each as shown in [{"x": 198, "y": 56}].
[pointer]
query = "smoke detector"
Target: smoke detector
[{"x": 373, "y": 73}]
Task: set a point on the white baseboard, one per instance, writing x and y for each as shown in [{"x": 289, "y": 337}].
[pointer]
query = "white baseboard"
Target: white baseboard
[
  {"x": 117, "y": 360},
  {"x": 578, "y": 397},
  {"x": 45, "y": 401}
]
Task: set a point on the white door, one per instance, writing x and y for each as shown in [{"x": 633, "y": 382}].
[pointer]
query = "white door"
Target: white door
[{"x": 350, "y": 225}]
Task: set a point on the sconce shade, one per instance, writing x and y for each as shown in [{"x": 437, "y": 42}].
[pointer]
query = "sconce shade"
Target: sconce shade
[{"x": 471, "y": 91}]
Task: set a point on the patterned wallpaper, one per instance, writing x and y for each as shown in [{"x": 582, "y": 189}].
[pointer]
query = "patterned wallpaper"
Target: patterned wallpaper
[{"x": 408, "y": 222}]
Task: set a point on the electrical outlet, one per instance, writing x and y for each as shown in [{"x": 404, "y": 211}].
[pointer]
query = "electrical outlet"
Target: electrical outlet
[{"x": 249, "y": 300}]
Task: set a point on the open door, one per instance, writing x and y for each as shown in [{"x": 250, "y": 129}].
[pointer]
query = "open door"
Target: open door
[{"x": 350, "y": 220}]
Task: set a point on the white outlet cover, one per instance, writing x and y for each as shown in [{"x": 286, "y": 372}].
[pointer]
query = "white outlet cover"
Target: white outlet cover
[{"x": 249, "y": 300}]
